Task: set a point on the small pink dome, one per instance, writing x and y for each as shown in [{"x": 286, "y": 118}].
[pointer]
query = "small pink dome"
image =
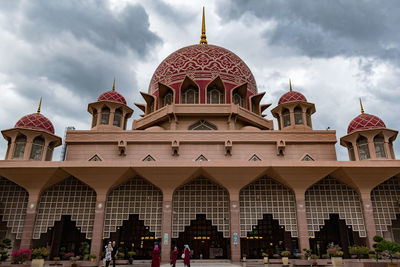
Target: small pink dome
[
  {"x": 35, "y": 121},
  {"x": 292, "y": 96},
  {"x": 112, "y": 96},
  {"x": 364, "y": 122}
]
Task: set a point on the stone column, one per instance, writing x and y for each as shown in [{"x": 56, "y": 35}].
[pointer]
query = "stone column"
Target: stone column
[
  {"x": 302, "y": 227},
  {"x": 235, "y": 230},
  {"x": 166, "y": 231},
  {"x": 97, "y": 234},
  {"x": 29, "y": 223},
  {"x": 368, "y": 219}
]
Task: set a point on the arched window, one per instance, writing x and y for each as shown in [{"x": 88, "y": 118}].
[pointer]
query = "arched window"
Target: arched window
[
  {"x": 308, "y": 117},
  {"x": 37, "y": 148},
  {"x": 298, "y": 116},
  {"x": 363, "y": 149},
  {"x": 167, "y": 99},
  {"x": 117, "y": 117},
  {"x": 379, "y": 144},
  {"x": 238, "y": 99},
  {"x": 94, "y": 120},
  {"x": 105, "y": 116},
  {"x": 215, "y": 95},
  {"x": 190, "y": 95},
  {"x": 49, "y": 152},
  {"x": 19, "y": 149},
  {"x": 351, "y": 151},
  {"x": 286, "y": 117}
]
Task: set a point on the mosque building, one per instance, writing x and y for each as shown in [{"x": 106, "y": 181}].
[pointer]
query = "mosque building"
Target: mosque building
[{"x": 203, "y": 166}]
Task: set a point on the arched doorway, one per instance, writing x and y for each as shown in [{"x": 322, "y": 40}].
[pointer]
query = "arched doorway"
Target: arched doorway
[
  {"x": 65, "y": 217},
  {"x": 133, "y": 235},
  {"x": 201, "y": 218},
  {"x": 268, "y": 221},
  {"x": 337, "y": 232},
  {"x": 133, "y": 217},
  {"x": 267, "y": 237}
]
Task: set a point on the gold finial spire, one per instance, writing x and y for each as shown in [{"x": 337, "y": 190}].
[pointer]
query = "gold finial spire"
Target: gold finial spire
[
  {"x": 362, "y": 109},
  {"x": 113, "y": 89},
  {"x": 40, "y": 104},
  {"x": 290, "y": 85},
  {"x": 203, "y": 39}
]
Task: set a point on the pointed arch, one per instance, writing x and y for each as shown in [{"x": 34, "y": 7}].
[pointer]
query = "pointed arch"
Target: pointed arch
[
  {"x": 148, "y": 158},
  {"x": 68, "y": 197},
  {"x": 254, "y": 158},
  {"x": 238, "y": 95},
  {"x": 96, "y": 157},
  {"x": 201, "y": 196},
  {"x": 19, "y": 147},
  {"x": 135, "y": 196},
  {"x": 105, "y": 115},
  {"x": 307, "y": 157},
  {"x": 201, "y": 158},
  {"x": 216, "y": 92},
  {"x": 166, "y": 95},
  {"x": 190, "y": 92},
  {"x": 37, "y": 148}
]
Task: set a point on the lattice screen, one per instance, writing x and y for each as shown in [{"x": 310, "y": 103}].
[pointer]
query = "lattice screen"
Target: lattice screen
[
  {"x": 13, "y": 204},
  {"x": 266, "y": 196},
  {"x": 69, "y": 197},
  {"x": 137, "y": 196},
  {"x": 329, "y": 196},
  {"x": 200, "y": 196},
  {"x": 386, "y": 204}
]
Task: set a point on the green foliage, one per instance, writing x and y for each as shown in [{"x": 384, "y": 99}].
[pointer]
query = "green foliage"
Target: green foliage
[
  {"x": 92, "y": 256},
  {"x": 121, "y": 255},
  {"x": 389, "y": 247},
  {"x": 56, "y": 258},
  {"x": 378, "y": 238},
  {"x": 314, "y": 256},
  {"x": 40, "y": 253},
  {"x": 334, "y": 250},
  {"x": 359, "y": 251},
  {"x": 131, "y": 253},
  {"x": 285, "y": 253},
  {"x": 84, "y": 250},
  {"x": 325, "y": 256},
  {"x": 307, "y": 253},
  {"x": 62, "y": 253},
  {"x": 5, "y": 245}
]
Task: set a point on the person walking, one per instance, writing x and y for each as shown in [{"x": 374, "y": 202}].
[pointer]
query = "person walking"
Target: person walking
[
  {"x": 114, "y": 252},
  {"x": 186, "y": 259},
  {"x": 155, "y": 260},
  {"x": 174, "y": 256},
  {"x": 108, "y": 254}
]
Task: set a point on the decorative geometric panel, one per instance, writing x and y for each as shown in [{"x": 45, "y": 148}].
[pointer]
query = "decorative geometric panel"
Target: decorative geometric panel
[
  {"x": 149, "y": 158},
  {"x": 136, "y": 196},
  {"x": 35, "y": 121},
  {"x": 364, "y": 122},
  {"x": 330, "y": 196},
  {"x": 307, "y": 158},
  {"x": 201, "y": 158},
  {"x": 254, "y": 158},
  {"x": 266, "y": 196},
  {"x": 69, "y": 197},
  {"x": 202, "y": 125},
  {"x": 386, "y": 204},
  {"x": 112, "y": 96},
  {"x": 95, "y": 158},
  {"x": 292, "y": 96},
  {"x": 200, "y": 196},
  {"x": 13, "y": 204}
]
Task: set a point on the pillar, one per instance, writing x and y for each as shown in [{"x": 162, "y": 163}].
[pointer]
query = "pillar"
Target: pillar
[
  {"x": 98, "y": 223},
  {"x": 235, "y": 230},
  {"x": 368, "y": 219},
  {"x": 302, "y": 227},
  {"x": 29, "y": 223},
  {"x": 166, "y": 231}
]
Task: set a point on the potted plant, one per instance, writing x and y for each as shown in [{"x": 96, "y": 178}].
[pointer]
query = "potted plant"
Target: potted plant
[
  {"x": 307, "y": 253},
  {"x": 38, "y": 256},
  {"x": 389, "y": 248},
  {"x": 358, "y": 251},
  {"x": 92, "y": 257},
  {"x": 131, "y": 254},
  {"x": 84, "y": 250},
  {"x": 265, "y": 256},
  {"x": 314, "y": 258},
  {"x": 73, "y": 260},
  {"x": 336, "y": 254},
  {"x": 5, "y": 245},
  {"x": 21, "y": 255},
  {"x": 285, "y": 257}
]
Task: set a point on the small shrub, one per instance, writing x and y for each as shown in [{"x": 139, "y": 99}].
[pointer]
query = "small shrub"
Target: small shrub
[
  {"x": 39, "y": 253},
  {"x": 314, "y": 256},
  {"x": 285, "y": 253},
  {"x": 92, "y": 256},
  {"x": 56, "y": 258},
  {"x": 21, "y": 255},
  {"x": 5, "y": 245}
]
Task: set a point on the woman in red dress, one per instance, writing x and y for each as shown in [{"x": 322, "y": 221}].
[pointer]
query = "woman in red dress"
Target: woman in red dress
[
  {"x": 186, "y": 260},
  {"x": 174, "y": 256},
  {"x": 155, "y": 261}
]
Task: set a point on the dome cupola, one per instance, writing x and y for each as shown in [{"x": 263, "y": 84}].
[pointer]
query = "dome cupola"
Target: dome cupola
[
  {"x": 293, "y": 111},
  {"x": 368, "y": 138},
  {"x": 32, "y": 138},
  {"x": 110, "y": 111}
]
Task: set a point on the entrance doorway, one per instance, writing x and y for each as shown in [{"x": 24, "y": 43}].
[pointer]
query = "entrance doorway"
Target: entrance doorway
[
  {"x": 337, "y": 232},
  {"x": 267, "y": 237},
  {"x": 204, "y": 240},
  {"x": 133, "y": 235}
]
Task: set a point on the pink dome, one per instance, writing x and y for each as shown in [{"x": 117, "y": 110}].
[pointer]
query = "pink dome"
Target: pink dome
[
  {"x": 35, "y": 121},
  {"x": 292, "y": 96},
  {"x": 112, "y": 96},
  {"x": 364, "y": 122}
]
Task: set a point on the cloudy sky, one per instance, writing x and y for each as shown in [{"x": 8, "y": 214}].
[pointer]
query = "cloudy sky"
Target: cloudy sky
[{"x": 69, "y": 51}]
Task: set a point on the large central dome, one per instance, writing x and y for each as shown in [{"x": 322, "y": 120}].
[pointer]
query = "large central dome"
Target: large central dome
[{"x": 202, "y": 63}]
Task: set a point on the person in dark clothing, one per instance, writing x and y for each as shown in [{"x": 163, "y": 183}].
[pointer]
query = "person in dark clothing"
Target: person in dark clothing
[{"x": 114, "y": 253}]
